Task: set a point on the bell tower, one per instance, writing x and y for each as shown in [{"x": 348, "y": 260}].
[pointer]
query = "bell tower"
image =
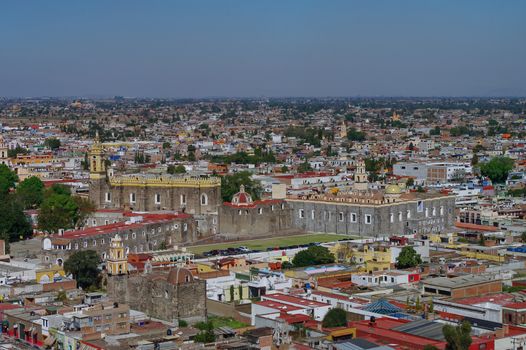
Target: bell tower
[
  {"x": 117, "y": 263},
  {"x": 360, "y": 177},
  {"x": 97, "y": 168},
  {"x": 3, "y": 152}
]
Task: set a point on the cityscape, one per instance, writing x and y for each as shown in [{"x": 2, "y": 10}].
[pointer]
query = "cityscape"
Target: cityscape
[{"x": 217, "y": 191}]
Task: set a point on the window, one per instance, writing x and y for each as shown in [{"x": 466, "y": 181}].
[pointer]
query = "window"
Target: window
[
  {"x": 134, "y": 235},
  {"x": 354, "y": 217},
  {"x": 312, "y": 214},
  {"x": 272, "y": 207},
  {"x": 102, "y": 241},
  {"x": 108, "y": 197},
  {"x": 434, "y": 211},
  {"x": 368, "y": 218},
  {"x": 204, "y": 199},
  {"x": 427, "y": 212},
  {"x": 420, "y": 206},
  {"x": 282, "y": 206},
  {"x": 441, "y": 210},
  {"x": 132, "y": 197},
  {"x": 400, "y": 218},
  {"x": 301, "y": 213},
  {"x": 157, "y": 198},
  {"x": 85, "y": 244},
  {"x": 76, "y": 246},
  {"x": 94, "y": 243},
  {"x": 408, "y": 214},
  {"x": 183, "y": 199},
  {"x": 185, "y": 226},
  {"x": 340, "y": 216},
  {"x": 106, "y": 222},
  {"x": 260, "y": 211},
  {"x": 391, "y": 218}
]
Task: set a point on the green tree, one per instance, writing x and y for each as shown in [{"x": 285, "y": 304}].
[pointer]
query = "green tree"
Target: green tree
[
  {"x": 52, "y": 143},
  {"x": 410, "y": 182},
  {"x": 30, "y": 192},
  {"x": 314, "y": 255},
  {"x": 167, "y": 145},
  {"x": 430, "y": 347},
  {"x": 84, "y": 266},
  {"x": 497, "y": 168},
  {"x": 13, "y": 222},
  {"x": 335, "y": 318},
  {"x": 459, "y": 337},
  {"x": 230, "y": 185},
  {"x": 179, "y": 169},
  {"x": 355, "y": 135},
  {"x": 58, "y": 211},
  {"x": 408, "y": 258},
  {"x": 13, "y": 152},
  {"x": 207, "y": 332},
  {"x": 8, "y": 178},
  {"x": 284, "y": 169},
  {"x": 85, "y": 207},
  {"x": 523, "y": 237},
  {"x": 304, "y": 167}
]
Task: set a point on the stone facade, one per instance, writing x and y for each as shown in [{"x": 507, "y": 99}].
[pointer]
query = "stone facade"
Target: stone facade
[
  {"x": 140, "y": 234},
  {"x": 160, "y": 295},
  {"x": 150, "y": 193},
  {"x": 262, "y": 218},
  {"x": 424, "y": 214}
]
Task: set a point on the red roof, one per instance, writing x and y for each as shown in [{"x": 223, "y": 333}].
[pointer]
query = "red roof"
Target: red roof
[
  {"x": 278, "y": 306},
  {"x": 516, "y": 306},
  {"x": 475, "y": 227},
  {"x": 119, "y": 226}
]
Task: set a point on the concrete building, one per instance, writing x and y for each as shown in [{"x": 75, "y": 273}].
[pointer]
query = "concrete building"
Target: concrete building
[{"x": 463, "y": 286}]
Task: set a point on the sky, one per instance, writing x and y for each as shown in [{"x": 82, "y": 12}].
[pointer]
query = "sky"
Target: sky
[{"x": 257, "y": 48}]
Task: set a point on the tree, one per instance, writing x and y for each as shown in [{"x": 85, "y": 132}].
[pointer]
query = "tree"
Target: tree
[
  {"x": 430, "y": 347},
  {"x": 14, "y": 224},
  {"x": 13, "y": 152},
  {"x": 30, "y": 192},
  {"x": 230, "y": 185},
  {"x": 497, "y": 168},
  {"x": 459, "y": 337},
  {"x": 52, "y": 143},
  {"x": 410, "y": 182},
  {"x": 335, "y": 318},
  {"x": 304, "y": 167},
  {"x": 166, "y": 145},
  {"x": 8, "y": 178},
  {"x": 207, "y": 332},
  {"x": 84, "y": 266},
  {"x": 85, "y": 207},
  {"x": 284, "y": 169},
  {"x": 355, "y": 135},
  {"x": 523, "y": 237},
  {"x": 172, "y": 169},
  {"x": 314, "y": 255},
  {"x": 58, "y": 210},
  {"x": 408, "y": 258}
]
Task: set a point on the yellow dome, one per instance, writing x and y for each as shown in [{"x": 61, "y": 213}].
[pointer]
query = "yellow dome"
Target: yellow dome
[{"x": 393, "y": 189}]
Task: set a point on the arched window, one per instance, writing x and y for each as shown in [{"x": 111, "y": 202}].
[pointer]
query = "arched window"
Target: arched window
[{"x": 204, "y": 199}]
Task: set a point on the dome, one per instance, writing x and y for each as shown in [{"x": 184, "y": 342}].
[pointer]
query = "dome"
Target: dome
[
  {"x": 242, "y": 197},
  {"x": 393, "y": 189},
  {"x": 179, "y": 275}
]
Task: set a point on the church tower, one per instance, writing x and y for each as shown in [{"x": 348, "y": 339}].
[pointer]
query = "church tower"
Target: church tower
[
  {"x": 4, "y": 159},
  {"x": 360, "y": 177},
  {"x": 97, "y": 172},
  {"x": 343, "y": 130},
  {"x": 97, "y": 169},
  {"x": 117, "y": 263}
]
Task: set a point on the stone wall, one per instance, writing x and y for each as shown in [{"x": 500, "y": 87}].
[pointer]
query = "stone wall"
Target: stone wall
[
  {"x": 385, "y": 219},
  {"x": 259, "y": 220}
]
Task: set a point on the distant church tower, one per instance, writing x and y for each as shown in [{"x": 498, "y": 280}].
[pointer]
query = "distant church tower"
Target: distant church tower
[
  {"x": 97, "y": 171},
  {"x": 117, "y": 263},
  {"x": 343, "y": 130},
  {"x": 3, "y": 152},
  {"x": 360, "y": 177}
]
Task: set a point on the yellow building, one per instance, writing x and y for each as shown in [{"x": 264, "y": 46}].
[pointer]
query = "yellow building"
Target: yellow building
[
  {"x": 117, "y": 263},
  {"x": 50, "y": 274}
]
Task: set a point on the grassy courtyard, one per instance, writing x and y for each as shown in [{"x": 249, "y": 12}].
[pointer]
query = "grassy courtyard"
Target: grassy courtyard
[{"x": 263, "y": 244}]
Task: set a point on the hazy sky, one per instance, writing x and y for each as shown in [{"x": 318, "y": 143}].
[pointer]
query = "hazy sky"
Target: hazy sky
[{"x": 242, "y": 48}]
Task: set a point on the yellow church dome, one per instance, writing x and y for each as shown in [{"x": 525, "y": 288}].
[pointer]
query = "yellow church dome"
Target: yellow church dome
[{"x": 393, "y": 189}]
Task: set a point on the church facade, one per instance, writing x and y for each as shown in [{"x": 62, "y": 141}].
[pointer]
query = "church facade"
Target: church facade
[
  {"x": 147, "y": 192},
  {"x": 170, "y": 295}
]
